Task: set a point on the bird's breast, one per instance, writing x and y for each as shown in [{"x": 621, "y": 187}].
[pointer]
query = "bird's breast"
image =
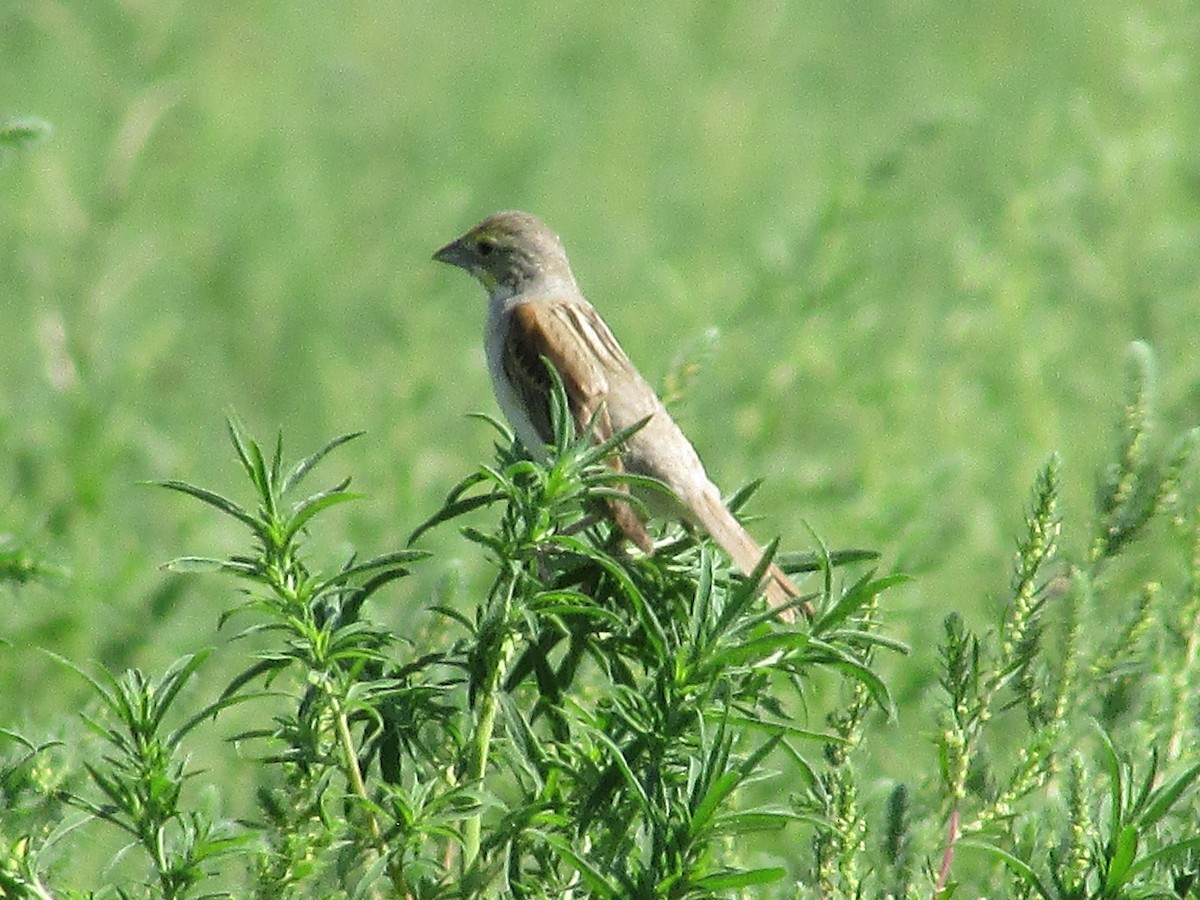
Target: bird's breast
[{"x": 507, "y": 398}]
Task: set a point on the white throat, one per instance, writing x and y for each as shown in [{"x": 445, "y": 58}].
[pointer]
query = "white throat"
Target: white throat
[{"x": 500, "y": 304}]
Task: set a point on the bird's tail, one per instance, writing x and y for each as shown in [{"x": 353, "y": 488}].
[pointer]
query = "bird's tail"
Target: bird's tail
[{"x": 727, "y": 531}]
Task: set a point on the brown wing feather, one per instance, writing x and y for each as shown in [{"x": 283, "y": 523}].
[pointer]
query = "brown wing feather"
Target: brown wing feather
[
  {"x": 575, "y": 340},
  {"x": 535, "y": 332}
]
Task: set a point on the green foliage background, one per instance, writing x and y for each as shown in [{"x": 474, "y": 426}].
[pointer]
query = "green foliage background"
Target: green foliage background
[{"x": 924, "y": 231}]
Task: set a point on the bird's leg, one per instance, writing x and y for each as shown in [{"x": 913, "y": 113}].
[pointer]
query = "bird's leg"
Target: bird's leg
[
  {"x": 583, "y": 524},
  {"x": 630, "y": 524},
  {"x": 543, "y": 569}
]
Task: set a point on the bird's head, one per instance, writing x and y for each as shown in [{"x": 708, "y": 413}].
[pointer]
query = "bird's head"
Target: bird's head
[{"x": 508, "y": 251}]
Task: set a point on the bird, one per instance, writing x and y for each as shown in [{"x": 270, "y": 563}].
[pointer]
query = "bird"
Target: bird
[{"x": 537, "y": 315}]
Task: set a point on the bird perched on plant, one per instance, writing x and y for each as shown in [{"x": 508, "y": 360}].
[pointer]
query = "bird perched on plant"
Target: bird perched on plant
[{"x": 536, "y": 311}]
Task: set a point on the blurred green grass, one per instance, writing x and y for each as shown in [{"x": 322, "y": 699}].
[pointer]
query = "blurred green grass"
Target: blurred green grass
[{"x": 925, "y": 232}]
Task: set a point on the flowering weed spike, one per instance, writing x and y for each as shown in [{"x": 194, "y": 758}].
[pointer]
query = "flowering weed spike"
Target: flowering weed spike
[
  {"x": 1034, "y": 551},
  {"x": 1130, "y": 488}
]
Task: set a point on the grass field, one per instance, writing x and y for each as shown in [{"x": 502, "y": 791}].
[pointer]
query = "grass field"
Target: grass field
[{"x": 924, "y": 233}]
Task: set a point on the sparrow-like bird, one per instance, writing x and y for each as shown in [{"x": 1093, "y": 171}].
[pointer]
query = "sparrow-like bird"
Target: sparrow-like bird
[{"x": 536, "y": 311}]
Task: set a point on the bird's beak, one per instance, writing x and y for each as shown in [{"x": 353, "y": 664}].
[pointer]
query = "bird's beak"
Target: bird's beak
[{"x": 454, "y": 254}]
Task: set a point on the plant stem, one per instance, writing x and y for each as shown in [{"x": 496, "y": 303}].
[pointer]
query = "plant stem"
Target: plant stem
[
  {"x": 1191, "y": 648},
  {"x": 477, "y": 767},
  {"x": 488, "y": 703},
  {"x": 359, "y": 787},
  {"x": 948, "y": 857}
]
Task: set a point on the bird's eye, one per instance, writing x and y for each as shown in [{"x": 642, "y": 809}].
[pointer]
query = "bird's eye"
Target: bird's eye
[{"x": 486, "y": 246}]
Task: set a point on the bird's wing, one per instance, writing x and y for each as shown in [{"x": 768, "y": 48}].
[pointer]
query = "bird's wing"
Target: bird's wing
[{"x": 575, "y": 340}]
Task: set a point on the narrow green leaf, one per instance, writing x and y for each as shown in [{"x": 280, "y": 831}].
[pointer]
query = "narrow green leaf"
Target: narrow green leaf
[
  {"x": 619, "y": 760},
  {"x": 208, "y": 712},
  {"x": 718, "y": 791},
  {"x": 306, "y": 465},
  {"x": 784, "y": 729},
  {"x": 864, "y": 639},
  {"x": 112, "y": 789},
  {"x": 606, "y": 476},
  {"x": 859, "y": 595},
  {"x": 750, "y": 763},
  {"x": 277, "y": 460},
  {"x": 368, "y": 884},
  {"x": 484, "y": 539},
  {"x": 1021, "y": 868},
  {"x": 466, "y": 484},
  {"x": 653, "y": 628},
  {"x": 457, "y": 616},
  {"x": 262, "y": 481},
  {"x": 1164, "y": 854},
  {"x": 733, "y": 880},
  {"x": 314, "y": 505},
  {"x": 752, "y": 821},
  {"x": 748, "y": 591},
  {"x": 193, "y": 564},
  {"x": 1165, "y": 797},
  {"x": 262, "y": 667},
  {"x": 398, "y": 558},
  {"x": 597, "y": 882},
  {"x": 214, "y": 499},
  {"x": 1122, "y": 860},
  {"x": 172, "y": 682},
  {"x": 838, "y": 658},
  {"x": 237, "y": 436},
  {"x": 1112, "y": 765},
  {"x": 826, "y": 568},
  {"x": 502, "y": 430},
  {"x": 756, "y": 650},
  {"x": 1147, "y": 787},
  {"x": 798, "y": 562},
  {"x": 107, "y": 692},
  {"x": 701, "y": 601},
  {"x": 453, "y": 511},
  {"x": 573, "y": 603},
  {"x": 601, "y": 451},
  {"x": 28, "y": 744},
  {"x": 742, "y": 495}
]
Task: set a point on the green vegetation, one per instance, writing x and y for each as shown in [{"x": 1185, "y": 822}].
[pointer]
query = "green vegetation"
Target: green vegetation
[
  {"x": 909, "y": 244},
  {"x": 612, "y": 726}
]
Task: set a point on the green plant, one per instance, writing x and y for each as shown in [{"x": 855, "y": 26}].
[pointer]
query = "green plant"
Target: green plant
[
  {"x": 1086, "y": 690},
  {"x": 593, "y": 727},
  {"x": 617, "y": 725},
  {"x": 142, "y": 774}
]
